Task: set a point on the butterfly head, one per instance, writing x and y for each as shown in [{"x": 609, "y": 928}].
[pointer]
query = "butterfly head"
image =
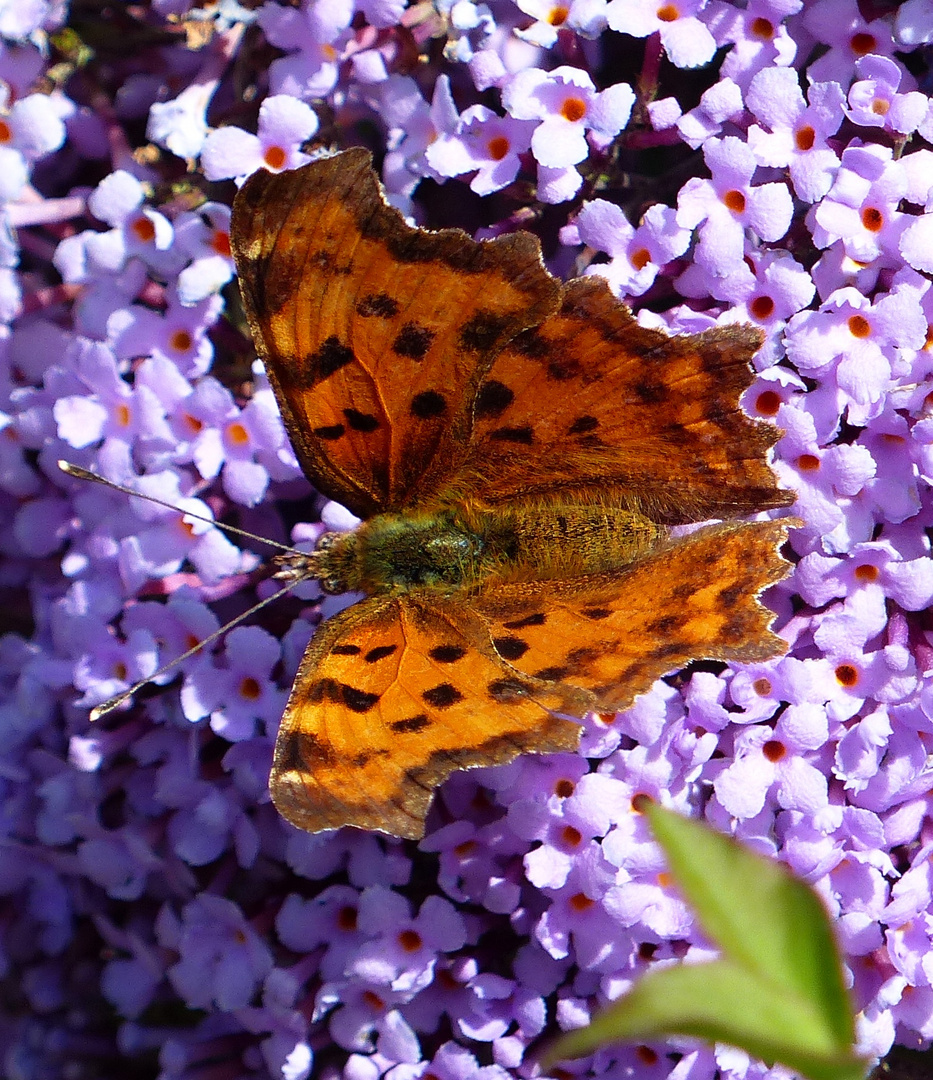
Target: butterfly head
[{"x": 333, "y": 563}]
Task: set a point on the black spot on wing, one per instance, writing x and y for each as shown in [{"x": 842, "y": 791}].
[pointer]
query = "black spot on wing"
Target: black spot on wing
[
  {"x": 523, "y": 436},
  {"x": 360, "y": 421},
  {"x": 411, "y": 724},
  {"x": 428, "y": 404},
  {"x": 552, "y": 674},
  {"x": 447, "y": 654},
  {"x": 492, "y": 400},
  {"x": 329, "y": 432},
  {"x": 360, "y": 701},
  {"x": 413, "y": 341},
  {"x": 340, "y": 693},
  {"x": 562, "y": 370},
  {"x": 329, "y": 359},
  {"x": 511, "y": 648},
  {"x": 508, "y": 691},
  {"x": 653, "y": 393},
  {"x": 537, "y": 618},
  {"x": 730, "y": 595},
  {"x": 597, "y": 613},
  {"x": 442, "y": 696},
  {"x": 300, "y": 751},
  {"x": 583, "y": 425},
  {"x": 530, "y": 343},
  {"x": 377, "y": 305},
  {"x": 483, "y": 330},
  {"x": 346, "y": 650},
  {"x": 380, "y": 652}
]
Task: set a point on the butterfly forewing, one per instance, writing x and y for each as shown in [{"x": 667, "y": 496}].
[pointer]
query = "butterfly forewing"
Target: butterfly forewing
[
  {"x": 590, "y": 399},
  {"x": 375, "y": 335}
]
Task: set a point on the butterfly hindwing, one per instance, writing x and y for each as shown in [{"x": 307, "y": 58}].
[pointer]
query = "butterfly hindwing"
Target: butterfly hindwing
[
  {"x": 375, "y": 335},
  {"x": 394, "y": 694},
  {"x": 590, "y": 400},
  {"x": 614, "y": 634}
]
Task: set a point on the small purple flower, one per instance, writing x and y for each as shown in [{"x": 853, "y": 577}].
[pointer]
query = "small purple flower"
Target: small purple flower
[
  {"x": 759, "y": 35},
  {"x": 861, "y": 208},
  {"x": 636, "y": 255},
  {"x": 552, "y": 16},
  {"x": 795, "y": 133},
  {"x": 840, "y": 25},
  {"x": 205, "y": 238},
  {"x": 686, "y": 39},
  {"x": 486, "y": 143},
  {"x": 314, "y": 38},
  {"x": 724, "y": 206},
  {"x": 284, "y": 124},
  {"x": 567, "y": 105},
  {"x": 875, "y": 102},
  {"x": 222, "y": 960}
]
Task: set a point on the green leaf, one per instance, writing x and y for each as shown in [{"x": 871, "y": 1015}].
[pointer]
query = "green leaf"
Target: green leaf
[{"x": 777, "y": 992}]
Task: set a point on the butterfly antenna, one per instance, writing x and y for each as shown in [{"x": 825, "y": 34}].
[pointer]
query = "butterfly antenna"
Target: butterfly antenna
[
  {"x": 82, "y": 474},
  {"x": 114, "y": 702}
]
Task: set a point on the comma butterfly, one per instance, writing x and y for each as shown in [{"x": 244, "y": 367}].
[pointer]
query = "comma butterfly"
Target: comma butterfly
[{"x": 518, "y": 449}]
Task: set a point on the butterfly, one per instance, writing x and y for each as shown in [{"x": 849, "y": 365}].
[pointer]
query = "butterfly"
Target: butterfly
[{"x": 518, "y": 450}]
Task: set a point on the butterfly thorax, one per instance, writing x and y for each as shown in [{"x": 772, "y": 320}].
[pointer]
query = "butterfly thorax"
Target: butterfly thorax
[{"x": 464, "y": 548}]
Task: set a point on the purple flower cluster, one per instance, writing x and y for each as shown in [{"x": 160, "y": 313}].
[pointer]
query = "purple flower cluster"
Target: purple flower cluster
[{"x": 719, "y": 161}]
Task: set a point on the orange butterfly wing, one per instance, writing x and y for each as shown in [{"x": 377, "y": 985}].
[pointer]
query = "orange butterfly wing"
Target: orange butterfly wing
[
  {"x": 394, "y": 694},
  {"x": 590, "y": 399},
  {"x": 375, "y": 335},
  {"x": 614, "y": 634}
]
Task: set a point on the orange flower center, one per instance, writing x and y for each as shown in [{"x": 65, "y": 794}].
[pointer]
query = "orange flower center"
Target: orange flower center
[
  {"x": 573, "y": 109},
  {"x": 863, "y": 43},
  {"x": 220, "y": 242},
  {"x": 872, "y": 219},
  {"x": 144, "y": 229},
  {"x": 859, "y": 326},
  {"x": 238, "y": 434},
  {"x": 497, "y": 147},
  {"x": 250, "y": 689},
  {"x": 410, "y": 940},
  {"x": 768, "y": 403},
  {"x": 774, "y": 750},
  {"x": 846, "y": 675},
  {"x": 735, "y": 201},
  {"x": 571, "y": 836},
  {"x": 346, "y": 918},
  {"x": 274, "y": 157},
  {"x": 181, "y": 341},
  {"x": 762, "y": 307},
  {"x": 805, "y": 137}
]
